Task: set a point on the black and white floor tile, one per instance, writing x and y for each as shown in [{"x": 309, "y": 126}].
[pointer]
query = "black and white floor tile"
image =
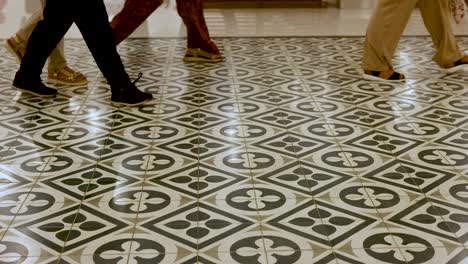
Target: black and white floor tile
[{"x": 280, "y": 154}]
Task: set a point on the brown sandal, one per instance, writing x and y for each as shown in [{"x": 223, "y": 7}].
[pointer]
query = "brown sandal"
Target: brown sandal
[
  {"x": 199, "y": 55},
  {"x": 16, "y": 47}
]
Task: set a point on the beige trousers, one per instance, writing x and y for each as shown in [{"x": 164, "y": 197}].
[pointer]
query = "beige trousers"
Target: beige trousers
[
  {"x": 57, "y": 57},
  {"x": 389, "y": 21}
]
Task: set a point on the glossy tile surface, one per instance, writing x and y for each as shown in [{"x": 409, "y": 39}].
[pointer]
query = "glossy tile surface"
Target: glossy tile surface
[
  {"x": 226, "y": 22},
  {"x": 279, "y": 154}
]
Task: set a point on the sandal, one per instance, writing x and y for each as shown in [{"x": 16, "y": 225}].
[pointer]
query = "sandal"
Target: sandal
[
  {"x": 16, "y": 47},
  {"x": 199, "y": 55},
  {"x": 67, "y": 76},
  {"x": 457, "y": 66},
  {"x": 375, "y": 76}
]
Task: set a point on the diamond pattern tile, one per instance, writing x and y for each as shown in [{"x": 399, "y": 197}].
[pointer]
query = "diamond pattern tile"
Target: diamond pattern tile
[
  {"x": 282, "y": 118},
  {"x": 274, "y": 97},
  {"x": 76, "y": 225},
  {"x": 384, "y": 143},
  {"x": 31, "y": 122},
  {"x": 322, "y": 222},
  {"x": 103, "y": 147},
  {"x": 198, "y": 180},
  {"x": 198, "y": 146},
  {"x": 115, "y": 120},
  {"x": 199, "y": 99},
  {"x": 89, "y": 182},
  {"x": 292, "y": 144},
  {"x": 202, "y": 225},
  {"x": 280, "y": 154}
]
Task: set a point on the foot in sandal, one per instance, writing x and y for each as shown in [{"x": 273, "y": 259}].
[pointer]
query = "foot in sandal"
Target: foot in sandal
[
  {"x": 384, "y": 76},
  {"x": 461, "y": 64}
]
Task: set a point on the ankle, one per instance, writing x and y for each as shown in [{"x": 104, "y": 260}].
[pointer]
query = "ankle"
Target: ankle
[
  {"x": 464, "y": 58},
  {"x": 382, "y": 74},
  {"x": 17, "y": 39},
  {"x": 24, "y": 77}
]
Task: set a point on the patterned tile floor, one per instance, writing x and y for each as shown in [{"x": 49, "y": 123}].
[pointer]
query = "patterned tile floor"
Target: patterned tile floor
[{"x": 280, "y": 154}]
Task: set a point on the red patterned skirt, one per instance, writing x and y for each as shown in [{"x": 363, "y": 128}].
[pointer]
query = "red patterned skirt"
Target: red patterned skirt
[{"x": 135, "y": 12}]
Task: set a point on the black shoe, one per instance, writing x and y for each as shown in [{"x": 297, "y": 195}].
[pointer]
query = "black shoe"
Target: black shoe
[
  {"x": 36, "y": 88},
  {"x": 130, "y": 96}
]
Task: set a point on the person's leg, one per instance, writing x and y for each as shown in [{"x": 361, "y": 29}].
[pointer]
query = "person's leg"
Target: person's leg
[
  {"x": 43, "y": 40},
  {"x": 98, "y": 37},
  {"x": 27, "y": 28},
  {"x": 58, "y": 70},
  {"x": 17, "y": 43},
  {"x": 132, "y": 15},
  {"x": 384, "y": 31},
  {"x": 57, "y": 59},
  {"x": 199, "y": 42},
  {"x": 198, "y": 35},
  {"x": 436, "y": 15},
  {"x": 92, "y": 21}
]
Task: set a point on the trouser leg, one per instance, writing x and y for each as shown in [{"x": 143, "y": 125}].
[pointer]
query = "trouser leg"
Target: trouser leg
[
  {"x": 436, "y": 16},
  {"x": 132, "y": 15},
  {"x": 198, "y": 35},
  {"x": 93, "y": 24},
  {"x": 385, "y": 28},
  {"x": 45, "y": 37}
]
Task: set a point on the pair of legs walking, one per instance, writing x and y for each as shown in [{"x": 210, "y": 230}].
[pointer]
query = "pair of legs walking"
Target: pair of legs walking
[
  {"x": 385, "y": 29},
  {"x": 58, "y": 69},
  {"x": 200, "y": 47},
  {"x": 387, "y": 25},
  {"x": 91, "y": 18}
]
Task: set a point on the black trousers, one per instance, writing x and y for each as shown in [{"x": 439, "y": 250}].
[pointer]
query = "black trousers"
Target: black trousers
[{"x": 92, "y": 20}]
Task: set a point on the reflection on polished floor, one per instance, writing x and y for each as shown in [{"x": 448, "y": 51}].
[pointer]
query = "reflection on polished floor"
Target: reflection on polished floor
[
  {"x": 279, "y": 154},
  {"x": 234, "y": 22}
]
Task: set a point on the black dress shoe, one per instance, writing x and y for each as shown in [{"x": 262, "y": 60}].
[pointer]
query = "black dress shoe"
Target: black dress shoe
[
  {"x": 130, "y": 95},
  {"x": 36, "y": 88}
]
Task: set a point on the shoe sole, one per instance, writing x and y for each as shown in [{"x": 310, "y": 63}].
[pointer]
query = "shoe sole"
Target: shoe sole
[
  {"x": 53, "y": 81},
  {"x": 121, "y": 104},
  {"x": 35, "y": 94},
  {"x": 10, "y": 49},
  {"x": 369, "y": 77},
  {"x": 457, "y": 68},
  {"x": 199, "y": 59}
]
